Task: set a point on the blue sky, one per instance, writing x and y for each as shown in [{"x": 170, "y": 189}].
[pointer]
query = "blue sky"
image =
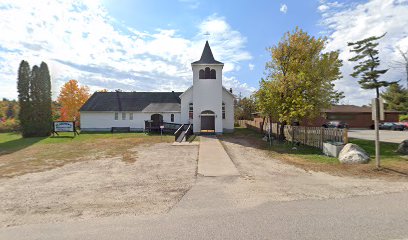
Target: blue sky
[{"x": 149, "y": 45}]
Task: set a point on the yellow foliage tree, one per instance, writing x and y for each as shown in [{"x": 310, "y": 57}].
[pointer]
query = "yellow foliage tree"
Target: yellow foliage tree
[{"x": 71, "y": 98}]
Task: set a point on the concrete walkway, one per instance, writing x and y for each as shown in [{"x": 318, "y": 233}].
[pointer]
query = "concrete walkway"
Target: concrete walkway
[{"x": 213, "y": 160}]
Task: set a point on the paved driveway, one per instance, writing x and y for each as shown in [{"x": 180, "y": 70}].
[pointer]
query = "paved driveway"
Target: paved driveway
[{"x": 385, "y": 135}]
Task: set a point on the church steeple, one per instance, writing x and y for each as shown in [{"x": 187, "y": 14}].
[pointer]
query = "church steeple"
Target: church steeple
[{"x": 207, "y": 56}]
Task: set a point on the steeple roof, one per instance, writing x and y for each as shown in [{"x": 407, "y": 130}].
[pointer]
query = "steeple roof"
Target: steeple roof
[{"x": 207, "y": 57}]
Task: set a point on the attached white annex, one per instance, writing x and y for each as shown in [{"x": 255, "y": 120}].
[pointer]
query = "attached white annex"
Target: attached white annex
[{"x": 206, "y": 104}]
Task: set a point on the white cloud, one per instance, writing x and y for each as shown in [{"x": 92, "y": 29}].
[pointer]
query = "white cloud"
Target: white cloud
[
  {"x": 283, "y": 8},
  {"x": 238, "y": 88},
  {"x": 348, "y": 23},
  {"x": 191, "y": 3},
  {"x": 323, "y": 8},
  {"x": 251, "y": 66},
  {"x": 326, "y": 5},
  {"x": 79, "y": 40}
]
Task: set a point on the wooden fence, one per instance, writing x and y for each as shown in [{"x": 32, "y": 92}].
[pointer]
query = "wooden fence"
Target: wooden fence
[{"x": 311, "y": 136}]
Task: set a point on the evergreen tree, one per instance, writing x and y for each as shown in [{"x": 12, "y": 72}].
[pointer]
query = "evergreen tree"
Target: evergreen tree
[
  {"x": 45, "y": 100},
  {"x": 23, "y": 87},
  {"x": 396, "y": 98},
  {"x": 368, "y": 62},
  {"x": 34, "y": 89},
  {"x": 35, "y": 96}
]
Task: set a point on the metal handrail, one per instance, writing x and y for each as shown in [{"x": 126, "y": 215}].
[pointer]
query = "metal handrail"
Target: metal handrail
[
  {"x": 178, "y": 129},
  {"x": 178, "y": 132}
]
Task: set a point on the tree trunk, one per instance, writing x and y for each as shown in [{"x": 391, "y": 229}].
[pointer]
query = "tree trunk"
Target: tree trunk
[
  {"x": 281, "y": 131},
  {"x": 263, "y": 124}
]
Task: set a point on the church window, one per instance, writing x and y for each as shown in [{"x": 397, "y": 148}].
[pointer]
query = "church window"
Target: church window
[
  {"x": 130, "y": 116},
  {"x": 223, "y": 110},
  {"x": 201, "y": 74},
  {"x": 172, "y": 117},
  {"x": 207, "y": 73},
  {"x": 190, "y": 110},
  {"x": 123, "y": 116},
  {"x": 213, "y": 74},
  {"x": 116, "y": 116}
]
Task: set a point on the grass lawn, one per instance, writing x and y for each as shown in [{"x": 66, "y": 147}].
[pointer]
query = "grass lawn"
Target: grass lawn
[
  {"x": 22, "y": 155},
  {"x": 312, "y": 158}
]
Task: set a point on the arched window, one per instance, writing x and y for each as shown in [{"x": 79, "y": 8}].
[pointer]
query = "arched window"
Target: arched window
[
  {"x": 223, "y": 110},
  {"x": 190, "y": 110},
  {"x": 207, "y": 73},
  {"x": 201, "y": 74},
  {"x": 157, "y": 118},
  {"x": 213, "y": 74},
  {"x": 172, "y": 117},
  {"x": 208, "y": 112}
]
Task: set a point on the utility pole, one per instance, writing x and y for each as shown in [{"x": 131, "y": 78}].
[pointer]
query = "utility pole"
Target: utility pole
[{"x": 377, "y": 115}]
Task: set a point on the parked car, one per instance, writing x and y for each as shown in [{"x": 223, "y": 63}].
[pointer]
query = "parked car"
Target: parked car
[
  {"x": 335, "y": 124},
  {"x": 405, "y": 123},
  {"x": 392, "y": 126}
]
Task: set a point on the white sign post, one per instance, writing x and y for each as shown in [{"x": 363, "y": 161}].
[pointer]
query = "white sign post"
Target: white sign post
[
  {"x": 161, "y": 132},
  {"x": 377, "y": 115}
]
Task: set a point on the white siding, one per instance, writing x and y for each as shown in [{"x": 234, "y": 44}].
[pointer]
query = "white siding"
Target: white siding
[
  {"x": 207, "y": 95},
  {"x": 228, "y": 122},
  {"x": 104, "y": 121},
  {"x": 186, "y": 99}
]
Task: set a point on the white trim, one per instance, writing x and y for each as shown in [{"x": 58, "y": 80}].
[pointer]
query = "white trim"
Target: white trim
[{"x": 185, "y": 91}]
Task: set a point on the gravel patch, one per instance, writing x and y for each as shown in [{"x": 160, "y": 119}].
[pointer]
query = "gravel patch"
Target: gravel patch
[{"x": 152, "y": 184}]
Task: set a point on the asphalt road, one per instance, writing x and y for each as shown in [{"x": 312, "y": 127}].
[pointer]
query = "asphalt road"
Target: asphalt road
[
  {"x": 368, "y": 217},
  {"x": 385, "y": 135}
]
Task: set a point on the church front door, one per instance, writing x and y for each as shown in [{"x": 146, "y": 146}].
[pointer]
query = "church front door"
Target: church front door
[{"x": 207, "y": 123}]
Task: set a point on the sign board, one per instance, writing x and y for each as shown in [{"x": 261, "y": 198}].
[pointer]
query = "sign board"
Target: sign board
[
  {"x": 161, "y": 127},
  {"x": 373, "y": 109},
  {"x": 61, "y": 126}
]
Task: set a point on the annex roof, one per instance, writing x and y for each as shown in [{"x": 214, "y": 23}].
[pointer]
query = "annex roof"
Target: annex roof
[
  {"x": 133, "y": 101},
  {"x": 352, "y": 109}
]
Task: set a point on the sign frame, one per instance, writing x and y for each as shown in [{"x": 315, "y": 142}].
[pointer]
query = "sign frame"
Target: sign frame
[{"x": 55, "y": 129}]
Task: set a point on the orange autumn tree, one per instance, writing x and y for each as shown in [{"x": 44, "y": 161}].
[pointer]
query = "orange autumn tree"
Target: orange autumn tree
[{"x": 71, "y": 99}]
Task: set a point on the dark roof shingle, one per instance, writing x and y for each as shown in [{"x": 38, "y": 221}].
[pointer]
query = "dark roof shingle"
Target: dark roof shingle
[
  {"x": 207, "y": 56},
  {"x": 132, "y": 101},
  {"x": 352, "y": 109}
]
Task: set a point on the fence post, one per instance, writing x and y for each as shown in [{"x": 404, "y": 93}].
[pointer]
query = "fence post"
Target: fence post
[
  {"x": 321, "y": 137},
  {"x": 345, "y": 136},
  {"x": 305, "y": 135}
]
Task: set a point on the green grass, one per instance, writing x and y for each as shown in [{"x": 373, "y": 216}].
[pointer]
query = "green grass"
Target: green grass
[
  {"x": 387, "y": 150},
  {"x": 11, "y": 142},
  {"x": 25, "y": 155},
  {"x": 388, "y": 154}
]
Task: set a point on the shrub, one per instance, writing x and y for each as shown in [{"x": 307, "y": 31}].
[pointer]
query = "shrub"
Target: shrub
[
  {"x": 9, "y": 125},
  {"x": 403, "y": 118}
]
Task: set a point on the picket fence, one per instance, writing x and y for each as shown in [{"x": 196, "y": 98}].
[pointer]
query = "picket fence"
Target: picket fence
[{"x": 311, "y": 136}]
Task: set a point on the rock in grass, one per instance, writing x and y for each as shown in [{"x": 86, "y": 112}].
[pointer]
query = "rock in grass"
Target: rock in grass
[
  {"x": 403, "y": 147},
  {"x": 353, "y": 154}
]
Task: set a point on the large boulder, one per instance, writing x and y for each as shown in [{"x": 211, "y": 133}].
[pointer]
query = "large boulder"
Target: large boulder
[
  {"x": 353, "y": 154},
  {"x": 403, "y": 147}
]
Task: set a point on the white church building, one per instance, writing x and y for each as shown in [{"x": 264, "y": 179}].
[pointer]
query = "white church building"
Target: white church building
[{"x": 207, "y": 105}]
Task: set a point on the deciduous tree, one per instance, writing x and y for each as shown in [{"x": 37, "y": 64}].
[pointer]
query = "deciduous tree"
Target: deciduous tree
[
  {"x": 71, "y": 99},
  {"x": 245, "y": 108},
  {"x": 301, "y": 78}
]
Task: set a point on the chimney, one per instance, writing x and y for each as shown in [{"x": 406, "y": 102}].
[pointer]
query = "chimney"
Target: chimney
[{"x": 230, "y": 90}]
